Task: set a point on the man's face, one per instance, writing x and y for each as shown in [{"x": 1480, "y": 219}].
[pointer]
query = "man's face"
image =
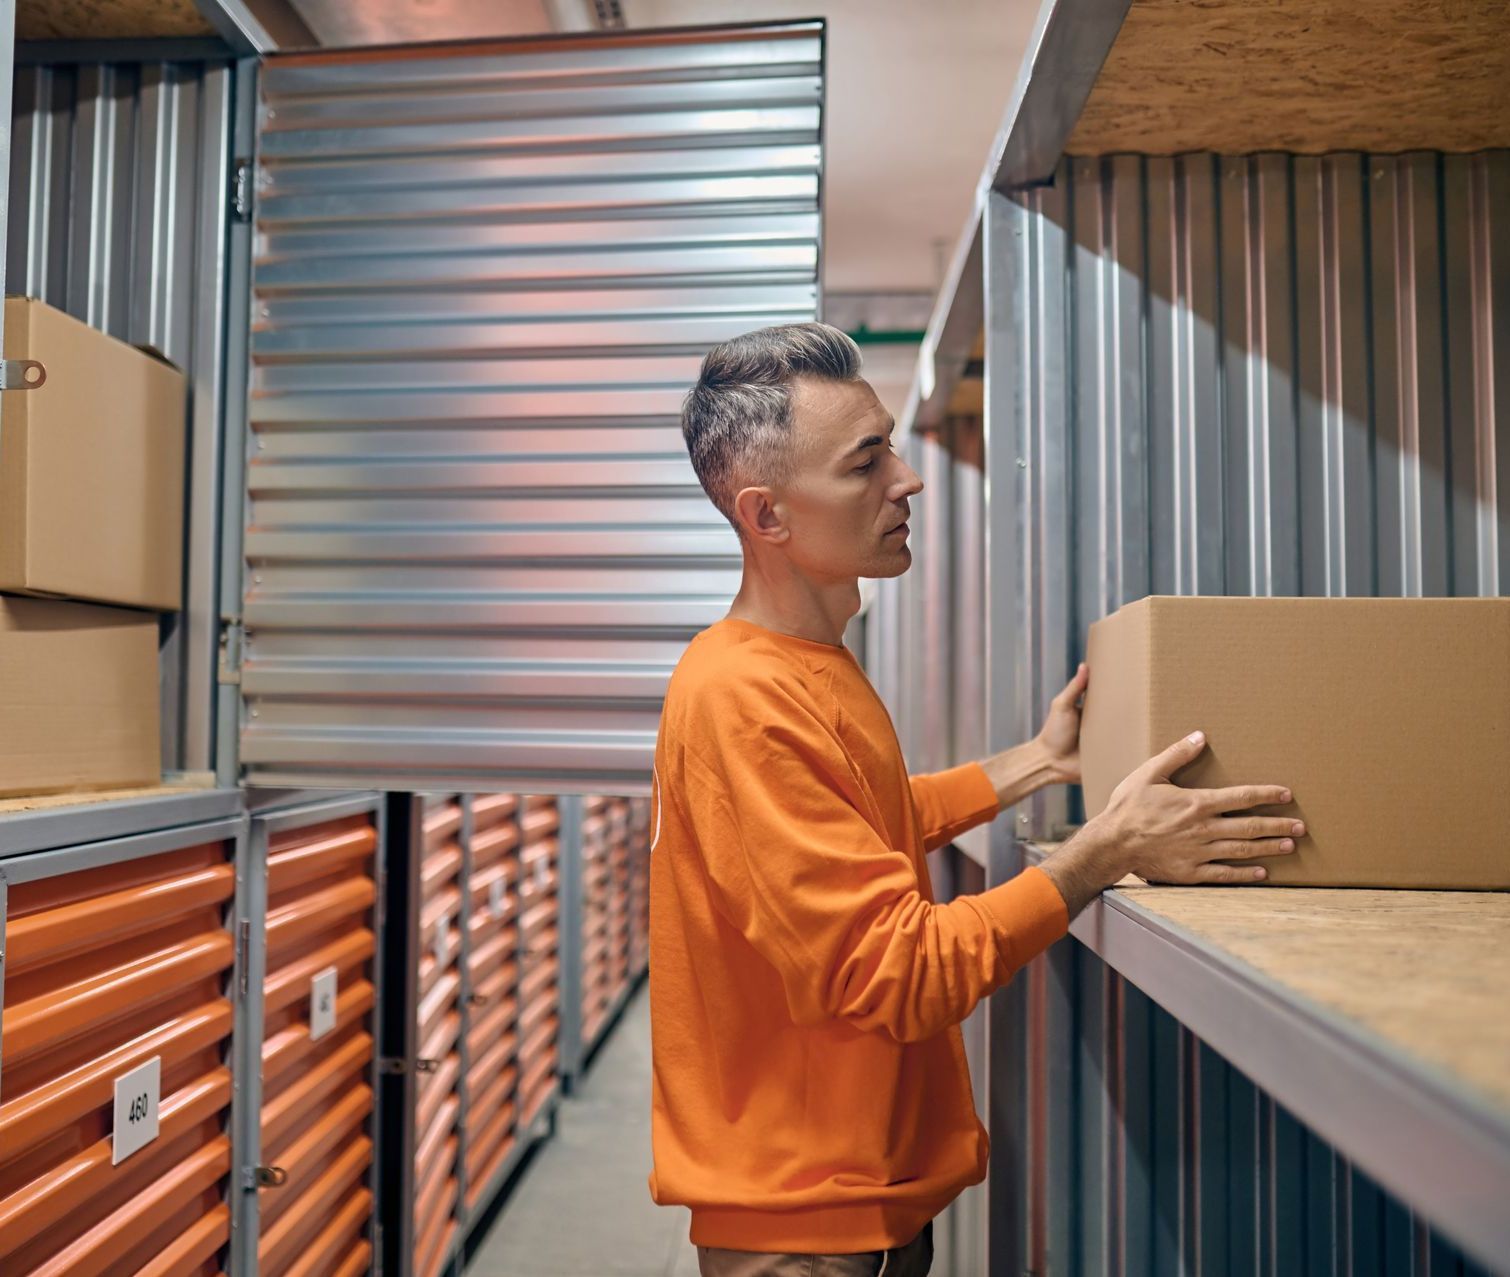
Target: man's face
[{"x": 846, "y": 505}]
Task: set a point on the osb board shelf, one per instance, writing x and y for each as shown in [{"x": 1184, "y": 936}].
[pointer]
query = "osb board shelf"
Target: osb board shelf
[
  {"x": 1239, "y": 76},
  {"x": 1424, "y": 971},
  {"x": 109, "y": 20},
  {"x": 188, "y": 783}
]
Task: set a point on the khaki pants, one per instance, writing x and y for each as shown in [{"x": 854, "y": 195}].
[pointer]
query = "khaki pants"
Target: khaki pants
[{"x": 911, "y": 1260}]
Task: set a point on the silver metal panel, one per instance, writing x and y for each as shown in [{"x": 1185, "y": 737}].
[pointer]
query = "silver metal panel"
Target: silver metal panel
[
  {"x": 119, "y": 181},
  {"x": 483, "y": 280},
  {"x": 28, "y": 831}
]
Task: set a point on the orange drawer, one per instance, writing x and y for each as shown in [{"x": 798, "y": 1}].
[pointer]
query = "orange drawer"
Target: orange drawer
[{"x": 106, "y": 968}]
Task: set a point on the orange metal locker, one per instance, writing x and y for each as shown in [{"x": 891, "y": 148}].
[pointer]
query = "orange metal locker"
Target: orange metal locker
[
  {"x": 318, "y": 1056},
  {"x": 437, "y": 1102},
  {"x": 539, "y": 987},
  {"x": 113, "y": 960},
  {"x": 493, "y": 977}
]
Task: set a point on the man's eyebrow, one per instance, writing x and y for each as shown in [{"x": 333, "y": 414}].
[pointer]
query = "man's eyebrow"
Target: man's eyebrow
[{"x": 870, "y": 441}]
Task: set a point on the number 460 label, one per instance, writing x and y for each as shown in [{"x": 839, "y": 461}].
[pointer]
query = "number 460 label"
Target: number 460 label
[{"x": 136, "y": 1098}]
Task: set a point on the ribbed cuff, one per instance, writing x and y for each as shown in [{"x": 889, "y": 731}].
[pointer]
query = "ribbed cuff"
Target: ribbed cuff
[
  {"x": 968, "y": 794},
  {"x": 1029, "y": 914}
]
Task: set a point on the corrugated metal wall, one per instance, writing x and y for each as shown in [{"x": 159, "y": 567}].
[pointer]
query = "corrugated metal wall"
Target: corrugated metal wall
[
  {"x": 118, "y": 196},
  {"x": 1263, "y": 375},
  {"x": 475, "y": 546}
]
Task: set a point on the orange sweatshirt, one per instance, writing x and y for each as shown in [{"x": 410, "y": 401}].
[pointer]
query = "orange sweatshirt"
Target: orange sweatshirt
[{"x": 810, "y": 1086}]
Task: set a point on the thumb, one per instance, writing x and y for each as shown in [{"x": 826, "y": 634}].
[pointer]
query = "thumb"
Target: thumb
[{"x": 1182, "y": 753}]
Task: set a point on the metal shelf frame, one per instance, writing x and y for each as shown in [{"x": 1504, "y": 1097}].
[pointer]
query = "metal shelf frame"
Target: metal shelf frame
[{"x": 1378, "y": 1107}]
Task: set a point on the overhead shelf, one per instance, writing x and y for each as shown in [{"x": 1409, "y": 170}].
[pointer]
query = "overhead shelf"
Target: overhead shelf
[
  {"x": 1376, "y": 1017},
  {"x": 1236, "y": 77}
]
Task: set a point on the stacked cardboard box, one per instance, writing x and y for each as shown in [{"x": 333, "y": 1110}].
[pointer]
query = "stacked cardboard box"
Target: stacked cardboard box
[{"x": 91, "y": 533}]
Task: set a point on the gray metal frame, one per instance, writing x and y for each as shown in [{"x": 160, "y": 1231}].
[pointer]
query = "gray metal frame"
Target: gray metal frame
[
  {"x": 569, "y": 904},
  {"x": 464, "y": 1004},
  {"x": 251, "y": 924},
  {"x": 1380, "y": 1108},
  {"x": 7, "y": 87},
  {"x": 238, "y": 272},
  {"x": 30, "y": 831},
  {"x": 258, "y": 26}
]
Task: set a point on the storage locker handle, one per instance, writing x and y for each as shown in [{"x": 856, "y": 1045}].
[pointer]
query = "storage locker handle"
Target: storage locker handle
[
  {"x": 478, "y": 1000},
  {"x": 426, "y": 1066},
  {"x": 271, "y": 1177}
]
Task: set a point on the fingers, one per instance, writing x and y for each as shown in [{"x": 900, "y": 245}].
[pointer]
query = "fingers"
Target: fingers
[
  {"x": 1231, "y": 875},
  {"x": 1181, "y": 754},
  {"x": 1074, "y": 689},
  {"x": 1247, "y": 827},
  {"x": 1242, "y": 797},
  {"x": 1251, "y": 850}
]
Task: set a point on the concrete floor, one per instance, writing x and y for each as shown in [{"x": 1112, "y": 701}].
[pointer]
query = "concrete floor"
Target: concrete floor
[{"x": 582, "y": 1208}]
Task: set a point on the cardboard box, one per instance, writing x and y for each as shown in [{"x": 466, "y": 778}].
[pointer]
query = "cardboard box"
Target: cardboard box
[
  {"x": 78, "y": 698},
  {"x": 91, "y": 467},
  {"x": 1389, "y": 719}
]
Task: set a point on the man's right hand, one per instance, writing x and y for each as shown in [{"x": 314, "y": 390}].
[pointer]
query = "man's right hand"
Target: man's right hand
[{"x": 1164, "y": 833}]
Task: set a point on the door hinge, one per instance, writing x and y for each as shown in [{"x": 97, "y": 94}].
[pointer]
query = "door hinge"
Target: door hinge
[
  {"x": 241, "y": 191},
  {"x": 231, "y": 636},
  {"x": 21, "y": 374},
  {"x": 243, "y": 958}
]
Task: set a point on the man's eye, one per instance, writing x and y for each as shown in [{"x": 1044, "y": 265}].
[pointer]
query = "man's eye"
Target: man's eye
[{"x": 866, "y": 468}]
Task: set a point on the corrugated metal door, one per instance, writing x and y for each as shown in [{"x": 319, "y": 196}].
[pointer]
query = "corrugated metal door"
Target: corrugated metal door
[
  {"x": 484, "y": 278},
  {"x": 437, "y": 1101},
  {"x": 493, "y": 1001},
  {"x": 317, "y": 1072},
  {"x": 108, "y": 966},
  {"x": 539, "y": 939}
]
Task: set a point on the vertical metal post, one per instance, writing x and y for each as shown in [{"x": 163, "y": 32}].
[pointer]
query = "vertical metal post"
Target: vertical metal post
[
  {"x": 238, "y": 305},
  {"x": 398, "y": 946},
  {"x": 463, "y": 1051},
  {"x": 379, "y": 1019},
  {"x": 569, "y": 905},
  {"x": 4, "y": 910},
  {"x": 7, "y": 85},
  {"x": 1007, "y": 1013},
  {"x": 202, "y": 602},
  {"x": 250, "y": 975}
]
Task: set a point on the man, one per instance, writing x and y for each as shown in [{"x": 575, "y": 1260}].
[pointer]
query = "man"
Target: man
[{"x": 811, "y": 1099}]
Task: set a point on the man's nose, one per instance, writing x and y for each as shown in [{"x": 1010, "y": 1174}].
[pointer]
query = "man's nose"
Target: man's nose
[{"x": 909, "y": 484}]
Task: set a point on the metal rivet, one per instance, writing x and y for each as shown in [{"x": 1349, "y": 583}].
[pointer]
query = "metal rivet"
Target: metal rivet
[{"x": 1021, "y": 464}]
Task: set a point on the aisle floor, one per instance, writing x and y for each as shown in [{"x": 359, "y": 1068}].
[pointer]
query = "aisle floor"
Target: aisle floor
[{"x": 582, "y": 1208}]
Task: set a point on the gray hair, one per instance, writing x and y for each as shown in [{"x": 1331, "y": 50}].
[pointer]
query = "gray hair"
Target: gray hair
[{"x": 737, "y": 419}]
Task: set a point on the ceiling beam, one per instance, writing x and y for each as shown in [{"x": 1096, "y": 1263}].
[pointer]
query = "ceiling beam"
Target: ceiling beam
[{"x": 258, "y": 26}]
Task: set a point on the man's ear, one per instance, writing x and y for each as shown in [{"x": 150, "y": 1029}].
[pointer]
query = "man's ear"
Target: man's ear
[{"x": 760, "y": 516}]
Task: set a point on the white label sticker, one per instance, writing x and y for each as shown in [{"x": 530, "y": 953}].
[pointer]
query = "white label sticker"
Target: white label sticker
[
  {"x": 443, "y": 939},
  {"x": 136, "y": 1098},
  {"x": 498, "y": 896},
  {"x": 542, "y": 873},
  {"x": 322, "y": 1003}
]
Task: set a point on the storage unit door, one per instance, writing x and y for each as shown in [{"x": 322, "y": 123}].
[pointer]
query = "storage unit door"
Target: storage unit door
[
  {"x": 437, "y": 1092},
  {"x": 597, "y": 904},
  {"x": 117, "y": 1016},
  {"x": 492, "y": 1012},
  {"x": 484, "y": 278},
  {"x": 319, "y": 1047},
  {"x": 540, "y": 979}
]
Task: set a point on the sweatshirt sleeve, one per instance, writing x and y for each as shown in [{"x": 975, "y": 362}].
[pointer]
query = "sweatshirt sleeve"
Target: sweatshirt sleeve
[
  {"x": 950, "y": 802},
  {"x": 797, "y": 869}
]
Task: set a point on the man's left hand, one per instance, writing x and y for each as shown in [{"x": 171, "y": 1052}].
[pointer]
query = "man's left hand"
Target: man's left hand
[{"x": 1060, "y": 738}]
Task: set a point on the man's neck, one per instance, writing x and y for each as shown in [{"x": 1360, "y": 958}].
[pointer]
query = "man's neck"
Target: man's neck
[{"x": 783, "y": 601}]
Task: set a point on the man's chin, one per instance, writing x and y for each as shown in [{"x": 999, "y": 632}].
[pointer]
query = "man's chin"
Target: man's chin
[{"x": 891, "y": 564}]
